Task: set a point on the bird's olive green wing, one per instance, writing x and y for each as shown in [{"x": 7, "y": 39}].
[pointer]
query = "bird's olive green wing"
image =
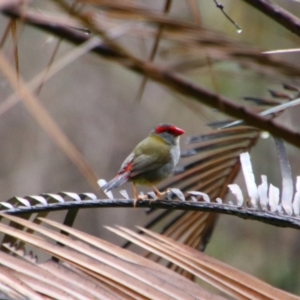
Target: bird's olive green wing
[{"x": 150, "y": 154}]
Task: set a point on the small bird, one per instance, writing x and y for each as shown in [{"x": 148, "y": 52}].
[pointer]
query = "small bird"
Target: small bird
[{"x": 151, "y": 161}]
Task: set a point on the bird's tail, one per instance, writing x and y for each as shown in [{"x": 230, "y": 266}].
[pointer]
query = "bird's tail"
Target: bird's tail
[{"x": 115, "y": 182}]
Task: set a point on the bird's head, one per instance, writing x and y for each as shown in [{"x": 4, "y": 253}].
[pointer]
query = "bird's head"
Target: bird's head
[{"x": 168, "y": 132}]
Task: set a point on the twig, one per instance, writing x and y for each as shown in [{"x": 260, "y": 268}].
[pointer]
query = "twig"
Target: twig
[
  {"x": 221, "y": 7},
  {"x": 275, "y": 219}
]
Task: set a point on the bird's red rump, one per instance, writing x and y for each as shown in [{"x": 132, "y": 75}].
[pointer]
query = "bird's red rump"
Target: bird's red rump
[
  {"x": 170, "y": 129},
  {"x": 128, "y": 167}
]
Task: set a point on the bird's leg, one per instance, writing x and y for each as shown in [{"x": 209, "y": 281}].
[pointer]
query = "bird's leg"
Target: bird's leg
[
  {"x": 158, "y": 193},
  {"x": 136, "y": 195}
]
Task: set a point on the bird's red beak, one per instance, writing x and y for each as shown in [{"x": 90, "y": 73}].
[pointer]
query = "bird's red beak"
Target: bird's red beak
[{"x": 178, "y": 131}]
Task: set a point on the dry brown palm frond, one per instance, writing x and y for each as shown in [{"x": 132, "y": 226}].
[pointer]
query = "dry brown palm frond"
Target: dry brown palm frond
[
  {"x": 129, "y": 273},
  {"x": 97, "y": 269},
  {"x": 204, "y": 267}
]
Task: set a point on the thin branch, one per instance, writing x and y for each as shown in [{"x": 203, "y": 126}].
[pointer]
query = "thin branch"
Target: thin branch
[
  {"x": 275, "y": 219},
  {"x": 221, "y": 7},
  {"x": 154, "y": 49},
  {"x": 278, "y": 14},
  {"x": 165, "y": 77}
]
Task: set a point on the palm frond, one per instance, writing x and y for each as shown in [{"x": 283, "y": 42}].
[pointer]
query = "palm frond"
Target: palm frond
[{"x": 114, "y": 272}]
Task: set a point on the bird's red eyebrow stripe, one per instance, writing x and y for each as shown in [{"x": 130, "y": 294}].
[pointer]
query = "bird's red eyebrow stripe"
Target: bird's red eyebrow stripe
[
  {"x": 178, "y": 131},
  {"x": 160, "y": 129},
  {"x": 173, "y": 129}
]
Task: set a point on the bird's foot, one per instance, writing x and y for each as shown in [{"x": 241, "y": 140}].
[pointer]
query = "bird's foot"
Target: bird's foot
[
  {"x": 160, "y": 195},
  {"x": 139, "y": 197}
]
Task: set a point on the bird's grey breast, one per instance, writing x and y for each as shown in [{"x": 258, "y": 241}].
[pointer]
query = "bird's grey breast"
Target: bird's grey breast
[
  {"x": 175, "y": 152},
  {"x": 167, "y": 169}
]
